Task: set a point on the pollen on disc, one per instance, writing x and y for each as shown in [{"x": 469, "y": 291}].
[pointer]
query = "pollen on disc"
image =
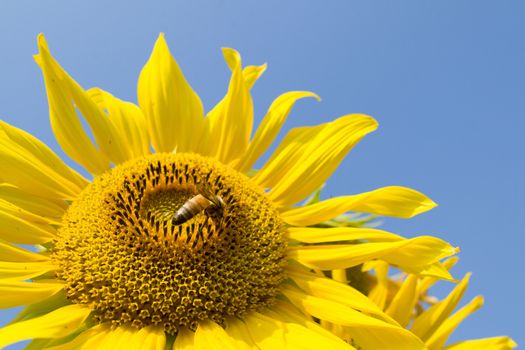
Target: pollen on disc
[{"x": 119, "y": 251}]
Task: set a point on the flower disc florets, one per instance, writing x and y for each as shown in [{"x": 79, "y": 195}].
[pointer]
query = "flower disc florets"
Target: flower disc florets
[{"x": 120, "y": 252}]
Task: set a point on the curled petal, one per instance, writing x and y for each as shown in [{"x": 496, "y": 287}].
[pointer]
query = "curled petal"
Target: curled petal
[
  {"x": 64, "y": 97},
  {"x": 411, "y": 255},
  {"x": 230, "y": 122},
  {"x": 308, "y": 156},
  {"x": 394, "y": 201}
]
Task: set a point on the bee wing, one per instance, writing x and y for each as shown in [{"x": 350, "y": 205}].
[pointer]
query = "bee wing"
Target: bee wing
[
  {"x": 216, "y": 200},
  {"x": 205, "y": 191}
]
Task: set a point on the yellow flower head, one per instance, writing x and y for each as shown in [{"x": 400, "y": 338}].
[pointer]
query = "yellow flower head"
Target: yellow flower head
[{"x": 177, "y": 242}]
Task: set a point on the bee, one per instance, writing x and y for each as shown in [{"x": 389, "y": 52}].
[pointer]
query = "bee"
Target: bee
[{"x": 211, "y": 204}]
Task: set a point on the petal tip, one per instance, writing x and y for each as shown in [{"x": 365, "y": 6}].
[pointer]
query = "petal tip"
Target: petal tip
[
  {"x": 310, "y": 94},
  {"x": 228, "y": 50},
  {"x": 162, "y": 39},
  {"x": 42, "y": 43},
  {"x": 232, "y": 57},
  {"x": 366, "y": 119},
  {"x": 41, "y": 38},
  {"x": 373, "y": 122},
  {"x": 43, "y": 54},
  {"x": 161, "y": 45},
  {"x": 426, "y": 205},
  {"x": 479, "y": 301}
]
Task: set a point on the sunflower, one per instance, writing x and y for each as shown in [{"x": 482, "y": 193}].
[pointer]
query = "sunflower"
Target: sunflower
[
  {"x": 177, "y": 242},
  {"x": 405, "y": 298}
]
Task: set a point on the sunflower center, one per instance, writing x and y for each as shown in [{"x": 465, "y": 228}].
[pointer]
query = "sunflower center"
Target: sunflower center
[{"x": 169, "y": 240}]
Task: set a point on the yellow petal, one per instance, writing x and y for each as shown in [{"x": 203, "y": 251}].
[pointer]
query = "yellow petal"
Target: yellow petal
[
  {"x": 173, "y": 111},
  {"x": 285, "y": 312},
  {"x": 419, "y": 254},
  {"x": 436, "y": 271},
  {"x": 210, "y": 335},
  {"x": 125, "y": 338},
  {"x": 266, "y": 333},
  {"x": 230, "y": 122},
  {"x": 115, "y": 339},
  {"x": 12, "y": 209},
  {"x": 44, "y": 207},
  {"x": 308, "y": 156},
  {"x": 16, "y": 293},
  {"x": 340, "y": 275},
  {"x": 131, "y": 139},
  {"x": 427, "y": 323},
  {"x": 239, "y": 333},
  {"x": 367, "y": 331},
  {"x": 92, "y": 338},
  {"x": 323, "y": 235},
  {"x": 149, "y": 338},
  {"x": 231, "y": 57},
  {"x": 252, "y": 73},
  {"x": 388, "y": 201},
  {"x": 17, "y": 230},
  {"x": 440, "y": 336},
  {"x": 207, "y": 145},
  {"x": 56, "y": 324},
  {"x": 496, "y": 343},
  {"x": 185, "y": 340},
  {"x": 31, "y": 166},
  {"x": 402, "y": 306},
  {"x": 38, "y": 344},
  {"x": 269, "y": 127},
  {"x": 9, "y": 252},
  {"x": 331, "y": 290},
  {"x": 24, "y": 270},
  {"x": 269, "y": 333},
  {"x": 64, "y": 94},
  {"x": 429, "y": 281},
  {"x": 43, "y": 306},
  {"x": 379, "y": 293},
  {"x": 411, "y": 255}
]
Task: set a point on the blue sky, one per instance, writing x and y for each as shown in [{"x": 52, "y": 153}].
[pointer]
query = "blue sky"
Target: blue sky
[{"x": 445, "y": 80}]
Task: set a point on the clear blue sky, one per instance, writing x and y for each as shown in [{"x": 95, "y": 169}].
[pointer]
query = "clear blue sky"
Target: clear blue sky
[{"x": 445, "y": 80}]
